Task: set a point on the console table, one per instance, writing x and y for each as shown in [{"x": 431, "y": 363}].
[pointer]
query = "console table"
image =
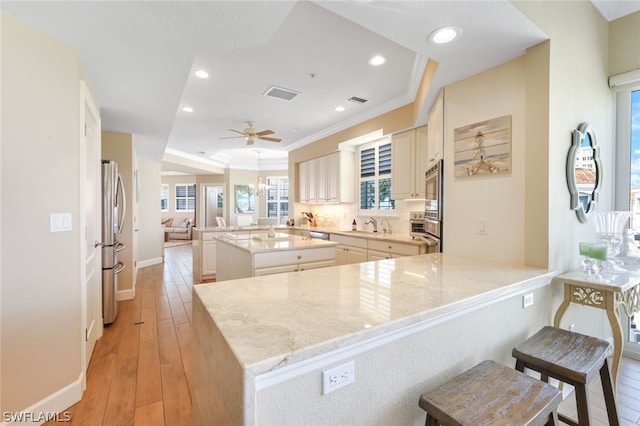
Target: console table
[{"x": 607, "y": 292}]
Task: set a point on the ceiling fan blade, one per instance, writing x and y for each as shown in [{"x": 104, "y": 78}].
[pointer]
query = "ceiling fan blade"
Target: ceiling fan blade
[
  {"x": 238, "y": 131},
  {"x": 234, "y": 137},
  {"x": 265, "y": 132},
  {"x": 270, "y": 139}
]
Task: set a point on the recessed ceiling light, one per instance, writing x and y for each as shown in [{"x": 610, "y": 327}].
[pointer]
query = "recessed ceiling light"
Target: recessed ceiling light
[
  {"x": 187, "y": 109},
  {"x": 202, "y": 74},
  {"x": 339, "y": 109},
  {"x": 445, "y": 35},
  {"x": 377, "y": 60}
]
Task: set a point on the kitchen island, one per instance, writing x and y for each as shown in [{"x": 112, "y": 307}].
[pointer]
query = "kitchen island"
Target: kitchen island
[
  {"x": 243, "y": 255},
  {"x": 261, "y": 344}
]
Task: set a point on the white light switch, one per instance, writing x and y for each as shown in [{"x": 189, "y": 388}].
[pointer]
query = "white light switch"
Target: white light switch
[{"x": 60, "y": 222}]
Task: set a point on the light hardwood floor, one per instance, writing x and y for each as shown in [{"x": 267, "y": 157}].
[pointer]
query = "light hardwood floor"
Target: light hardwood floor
[{"x": 140, "y": 372}]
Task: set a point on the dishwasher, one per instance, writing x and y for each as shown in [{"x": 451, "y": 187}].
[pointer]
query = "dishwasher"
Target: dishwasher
[{"x": 319, "y": 235}]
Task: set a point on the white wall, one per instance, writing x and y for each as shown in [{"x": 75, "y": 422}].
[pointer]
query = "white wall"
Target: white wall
[{"x": 40, "y": 173}]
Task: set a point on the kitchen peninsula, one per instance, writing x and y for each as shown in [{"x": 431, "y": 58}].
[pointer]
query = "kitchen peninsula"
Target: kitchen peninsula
[{"x": 261, "y": 344}]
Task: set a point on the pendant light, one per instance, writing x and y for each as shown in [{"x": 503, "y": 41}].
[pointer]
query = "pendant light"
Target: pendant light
[{"x": 261, "y": 187}]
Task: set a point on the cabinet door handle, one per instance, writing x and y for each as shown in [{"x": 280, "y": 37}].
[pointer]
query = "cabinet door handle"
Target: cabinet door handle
[{"x": 299, "y": 257}]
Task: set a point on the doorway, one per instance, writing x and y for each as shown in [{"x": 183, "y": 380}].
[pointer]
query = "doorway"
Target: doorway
[{"x": 213, "y": 196}]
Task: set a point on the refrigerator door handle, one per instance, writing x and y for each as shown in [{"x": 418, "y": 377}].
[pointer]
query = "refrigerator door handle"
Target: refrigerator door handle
[
  {"x": 99, "y": 244},
  {"x": 124, "y": 202},
  {"x": 119, "y": 247},
  {"x": 120, "y": 267}
]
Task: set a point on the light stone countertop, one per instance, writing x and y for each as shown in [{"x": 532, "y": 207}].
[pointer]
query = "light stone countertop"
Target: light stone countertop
[
  {"x": 277, "y": 320},
  {"x": 397, "y": 237},
  {"x": 261, "y": 243}
]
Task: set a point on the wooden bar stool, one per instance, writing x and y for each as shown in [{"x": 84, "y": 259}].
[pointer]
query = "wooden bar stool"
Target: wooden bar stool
[
  {"x": 491, "y": 394},
  {"x": 571, "y": 358}
]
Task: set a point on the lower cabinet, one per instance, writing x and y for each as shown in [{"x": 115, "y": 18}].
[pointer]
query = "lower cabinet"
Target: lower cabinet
[
  {"x": 362, "y": 249},
  {"x": 292, "y": 268},
  {"x": 378, "y": 255},
  {"x": 349, "y": 249},
  {"x": 208, "y": 257},
  {"x": 346, "y": 255},
  {"x": 379, "y": 250}
]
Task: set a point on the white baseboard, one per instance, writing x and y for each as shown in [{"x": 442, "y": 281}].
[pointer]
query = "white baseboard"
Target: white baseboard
[
  {"x": 126, "y": 294},
  {"x": 149, "y": 262},
  {"x": 47, "y": 407}
]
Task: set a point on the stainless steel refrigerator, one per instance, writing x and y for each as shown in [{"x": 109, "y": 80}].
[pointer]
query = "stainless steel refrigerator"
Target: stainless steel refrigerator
[{"x": 113, "y": 211}]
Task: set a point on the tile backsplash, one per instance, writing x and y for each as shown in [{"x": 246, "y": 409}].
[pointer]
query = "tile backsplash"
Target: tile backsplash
[{"x": 340, "y": 216}]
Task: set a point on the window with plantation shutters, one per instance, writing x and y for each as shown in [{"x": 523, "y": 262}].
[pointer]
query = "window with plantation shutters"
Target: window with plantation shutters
[
  {"x": 164, "y": 198},
  {"x": 185, "y": 198},
  {"x": 278, "y": 197},
  {"x": 375, "y": 178}
]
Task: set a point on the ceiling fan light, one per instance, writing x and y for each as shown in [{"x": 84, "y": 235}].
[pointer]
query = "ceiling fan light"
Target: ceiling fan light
[{"x": 445, "y": 35}]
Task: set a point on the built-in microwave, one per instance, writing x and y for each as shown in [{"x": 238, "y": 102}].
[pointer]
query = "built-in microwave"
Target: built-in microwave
[{"x": 433, "y": 192}]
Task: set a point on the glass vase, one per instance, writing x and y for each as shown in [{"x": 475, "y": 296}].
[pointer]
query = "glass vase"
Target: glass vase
[{"x": 610, "y": 228}]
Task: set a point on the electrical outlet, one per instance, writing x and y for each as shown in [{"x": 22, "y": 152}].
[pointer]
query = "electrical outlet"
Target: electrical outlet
[
  {"x": 527, "y": 300},
  {"x": 337, "y": 377}
]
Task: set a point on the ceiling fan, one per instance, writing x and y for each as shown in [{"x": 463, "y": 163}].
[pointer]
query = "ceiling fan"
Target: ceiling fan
[{"x": 251, "y": 135}]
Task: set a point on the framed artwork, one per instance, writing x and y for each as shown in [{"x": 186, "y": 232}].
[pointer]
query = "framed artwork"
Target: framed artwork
[
  {"x": 245, "y": 199},
  {"x": 483, "y": 148}
]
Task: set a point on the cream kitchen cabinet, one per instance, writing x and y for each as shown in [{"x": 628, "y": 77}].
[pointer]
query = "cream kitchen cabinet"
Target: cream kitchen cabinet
[
  {"x": 435, "y": 137},
  {"x": 409, "y": 163},
  {"x": 327, "y": 179},
  {"x": 335, "y": 178},
  {"x": 380, "y": 249},
  {"x": 306, "y": 181},
  {"x": 349, "y": 249}
]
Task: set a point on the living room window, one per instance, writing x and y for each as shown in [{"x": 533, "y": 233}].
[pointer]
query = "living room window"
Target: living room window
[
  {"x": 278, "y": 197},
  {"x": 185, "y": 198},
  {"x": 375, "y": 178},
  {"x": 164, "y": 198}
]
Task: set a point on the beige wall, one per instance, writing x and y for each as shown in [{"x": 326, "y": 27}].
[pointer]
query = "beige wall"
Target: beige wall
[
  {"x": 497, "y": 199},
  {"x": 119, "y": 148},
  {"x": 150, "y": 238},
  {"x": 578, "y": 91},
  {"x": 40, "y": 169},
  {"x": 624, "y": 44}
]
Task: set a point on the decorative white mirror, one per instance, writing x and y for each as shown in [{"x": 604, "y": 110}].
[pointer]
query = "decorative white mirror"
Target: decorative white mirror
[{"x": 584, "y": 171}]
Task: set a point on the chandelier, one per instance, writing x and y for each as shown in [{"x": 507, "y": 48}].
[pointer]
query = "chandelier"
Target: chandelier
[{"x": 260, "y": 188}]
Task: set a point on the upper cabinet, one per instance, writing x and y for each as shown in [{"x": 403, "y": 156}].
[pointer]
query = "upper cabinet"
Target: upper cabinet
[
  {"x": 435, "y": 138},
  {"x": 409, "y": 163},
  {"x": 327, "y": 179}
]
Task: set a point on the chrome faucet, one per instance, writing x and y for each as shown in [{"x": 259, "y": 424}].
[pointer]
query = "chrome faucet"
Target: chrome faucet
[
  {"x": 374, "y": 223},
  {"x": 386, "y": 230}
]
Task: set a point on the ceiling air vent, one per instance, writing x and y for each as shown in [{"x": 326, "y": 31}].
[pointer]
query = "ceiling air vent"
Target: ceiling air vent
[
  {"x": 281, "y": 93},
  {"x": 357, "y": 100}
]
